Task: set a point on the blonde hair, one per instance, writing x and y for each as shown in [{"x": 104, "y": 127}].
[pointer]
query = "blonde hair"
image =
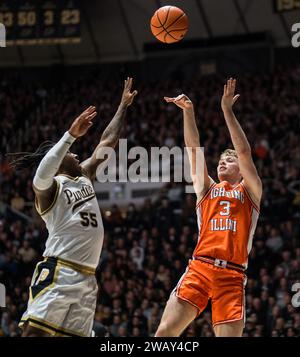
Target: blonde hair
[{"x": 229, "y": 152}]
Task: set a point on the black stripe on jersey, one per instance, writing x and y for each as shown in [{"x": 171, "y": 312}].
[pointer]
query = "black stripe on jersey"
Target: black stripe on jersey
[{"x": 82, "y": 202}]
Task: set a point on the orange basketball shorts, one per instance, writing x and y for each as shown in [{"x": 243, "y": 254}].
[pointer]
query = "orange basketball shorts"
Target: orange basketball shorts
[{"x": 224, "y": 287}]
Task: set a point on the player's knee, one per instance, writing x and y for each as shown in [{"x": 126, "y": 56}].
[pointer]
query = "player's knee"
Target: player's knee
[
  {"x": 232, "y": 329},
  {"x": 165, "y": 330}
]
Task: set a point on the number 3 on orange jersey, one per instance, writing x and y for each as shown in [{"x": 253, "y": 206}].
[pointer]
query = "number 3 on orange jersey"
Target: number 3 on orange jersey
[{"x": 226, "y": 209}]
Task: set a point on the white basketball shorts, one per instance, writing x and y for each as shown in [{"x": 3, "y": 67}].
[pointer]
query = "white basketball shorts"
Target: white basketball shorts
[{"x": 62, "y": 299}]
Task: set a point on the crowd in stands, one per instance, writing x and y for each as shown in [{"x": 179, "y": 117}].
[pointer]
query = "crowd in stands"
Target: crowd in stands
[{"x": 146, "y": 249}]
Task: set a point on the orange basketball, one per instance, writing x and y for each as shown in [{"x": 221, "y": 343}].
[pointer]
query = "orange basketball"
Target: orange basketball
[{"x": 169, "y": 24}]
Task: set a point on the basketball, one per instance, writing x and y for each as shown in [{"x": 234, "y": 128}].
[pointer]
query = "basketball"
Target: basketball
[{"x": 169, "y": 24}]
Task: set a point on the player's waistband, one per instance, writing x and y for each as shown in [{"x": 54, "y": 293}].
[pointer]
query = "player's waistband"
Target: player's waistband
[
  {"x": 78, "y": 267},
  {"x": 220, "y": 263}
]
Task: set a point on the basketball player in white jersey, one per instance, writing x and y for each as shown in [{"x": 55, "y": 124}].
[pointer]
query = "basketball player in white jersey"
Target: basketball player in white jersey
[{"x": 63, "y": 290}]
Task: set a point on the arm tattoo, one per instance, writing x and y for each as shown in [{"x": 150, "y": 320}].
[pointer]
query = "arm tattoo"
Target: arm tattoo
[{"x": 113, "y": 131}]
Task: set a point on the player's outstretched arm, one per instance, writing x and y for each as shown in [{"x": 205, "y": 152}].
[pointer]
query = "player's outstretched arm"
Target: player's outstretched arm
[
  {"x": 241, "y": 145},
  {"x": 43, "y": 182},
  {"x": 111, "y": 134},
  {"x": 201, "y": 180}
]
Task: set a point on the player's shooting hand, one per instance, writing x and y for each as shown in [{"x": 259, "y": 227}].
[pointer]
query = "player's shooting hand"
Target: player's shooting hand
[
  {"x": 128, "y": 96},
  {"x": 82, "y": 123},
  {"x": 229, "y": 98},
  {"x": 182, "y": 101}
]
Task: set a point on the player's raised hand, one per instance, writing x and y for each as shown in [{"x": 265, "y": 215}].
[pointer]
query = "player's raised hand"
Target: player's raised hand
[
  {"x": 128, "y": 96},
  {"x": 83, "y": 122},
  {"x": 228, "y": 98},
  {"x": 182, "y": 101}
]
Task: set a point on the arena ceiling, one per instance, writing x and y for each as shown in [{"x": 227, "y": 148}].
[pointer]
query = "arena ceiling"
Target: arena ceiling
[{"x": 116, "y": 30}]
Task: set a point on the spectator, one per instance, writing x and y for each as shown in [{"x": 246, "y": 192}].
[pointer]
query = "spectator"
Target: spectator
[
  {"x": 275, "y": 242},
  {"x": 27, "y": 253},
  {"x": 137, "y": 255}
]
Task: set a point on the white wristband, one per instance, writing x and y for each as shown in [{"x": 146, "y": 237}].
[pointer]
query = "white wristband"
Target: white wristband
[{"x": 69, "y": 139}]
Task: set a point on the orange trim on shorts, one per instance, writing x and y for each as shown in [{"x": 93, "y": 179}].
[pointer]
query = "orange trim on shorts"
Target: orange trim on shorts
[
  {"x": 242, "y": 314},
  {"x": 188, "y": 301},
  {"x": 228, "y": 321},
  {"x": 181, "y": 279},
  {"x": 177, "y": 291}
]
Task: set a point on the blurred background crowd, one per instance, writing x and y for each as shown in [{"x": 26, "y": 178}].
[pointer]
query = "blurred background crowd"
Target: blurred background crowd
[{"x": 147, "y": 248}]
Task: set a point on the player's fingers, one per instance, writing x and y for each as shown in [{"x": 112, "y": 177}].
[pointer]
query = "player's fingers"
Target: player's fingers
[
  {"x": 180, "y": 96},
  {"x": 91, "y": 116},
  {"x": 84, "y": 117},
  {"x": 92, "y": 111},
  {"x": 229, "y": 84},
  {"x": 88, "y": 118},
  {"x": 225, "y": 89},
  {"x": 169, "y": 99},
  {"x": 89, "y": 109},
  {"x": 233, "y": 81},
  {"x": 231, "y": 89},
  {"x": 134, "y": 93},
  {"x": 176, "y": 100},
  {"x": 87, "y": 112},
  {"x": 88, "y": 124},
  {"x": 235, "y": 98},
  {"x": 233, "y": 85},
  {"x": 83, "y": 113},
  {"x": 129, "y": 83}
]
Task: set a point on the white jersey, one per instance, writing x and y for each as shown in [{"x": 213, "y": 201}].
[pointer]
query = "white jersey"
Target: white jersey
[{"x": 74, "y": 222}]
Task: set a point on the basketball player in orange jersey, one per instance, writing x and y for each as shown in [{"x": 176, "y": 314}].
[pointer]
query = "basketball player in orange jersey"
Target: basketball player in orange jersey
[{"x": 227, "y": 215}]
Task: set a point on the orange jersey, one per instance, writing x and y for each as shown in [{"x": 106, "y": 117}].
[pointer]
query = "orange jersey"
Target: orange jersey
[{"x": 227, "y": 219}]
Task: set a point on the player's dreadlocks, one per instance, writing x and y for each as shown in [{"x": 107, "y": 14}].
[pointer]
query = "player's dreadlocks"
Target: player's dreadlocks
[{"x": 22, "y": 160}]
